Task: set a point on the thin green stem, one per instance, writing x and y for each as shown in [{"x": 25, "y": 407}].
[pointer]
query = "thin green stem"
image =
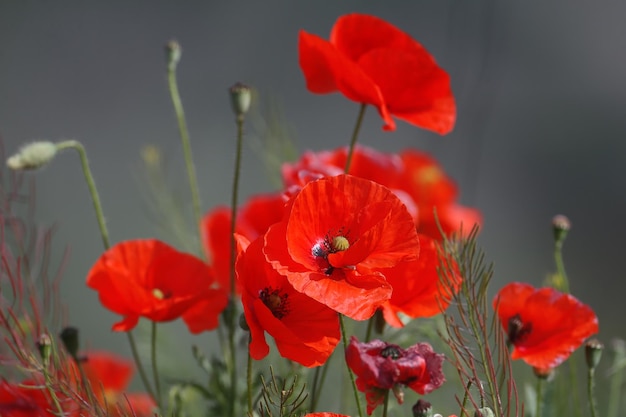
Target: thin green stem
[
  {"x": 184, "y": 139},
  {"x": 344, "y": 338},
  {"x": 560, "y": 266},
  {"x": 539, "y": 392},
  {"x": 52, "y": 392},
  {"x": 355, "y": 136},
  {"x": 142, "y": 372},
  {"x": 249, "y": 378},
  {"x": 318, "y": 384},
  {"x": 93, "y": 190},
  {"x": 155, "y": 369},
  {"x": 593, "y": 405},
  {"x": 104, "y": 234},
  {"x": 233, "y": 249},
  {"x": 463, "y": 411},
  {"x": 370, "y": 327},
  {"x": 617, "y": 379},
  {"x": 386, "y": 404}
]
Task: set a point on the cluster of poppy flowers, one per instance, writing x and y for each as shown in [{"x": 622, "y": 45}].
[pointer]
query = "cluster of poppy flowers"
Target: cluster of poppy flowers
[{"x": 332, "y": 242}]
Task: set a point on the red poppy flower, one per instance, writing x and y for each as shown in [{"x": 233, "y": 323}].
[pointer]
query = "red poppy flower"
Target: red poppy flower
[
  {"x": 109, "y": 376},
  {"x": 380, "y": 366},
  {"x": 544, "y": 325},
  {"x": 339, "y": 233},
  {"x": 147, "y": 278},
  {"x": 371, "y": 61},
  {"x": 24, "y": 400},
  {"x": 304, "y": 330},
  {"x": 417, "y": 287},
  {"x": 253, "y": 220},
  {"x": 435, "y": 195}
]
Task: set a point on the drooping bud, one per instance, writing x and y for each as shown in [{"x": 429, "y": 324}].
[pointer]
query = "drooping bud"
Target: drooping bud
[
  {"x": 593, "y": 352},
  {"x": 173, "y": 52},
  {"x": 422, "y": 409},
  {"x": 240, "y": 99},
  {"x": 69, "y": 337},
  {"x": 560, "y": 227},
  {"x": 33, "y": 156},
  {"x": 44, "y": 345}
]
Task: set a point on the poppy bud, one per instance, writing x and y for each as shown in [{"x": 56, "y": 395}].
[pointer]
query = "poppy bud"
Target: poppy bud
[
  {"x": 422, "y": 409},
  {"x": 33, "y": 156},
  {"x": 240, "y": 98},
  {"x": 69, "y": 336},
  {"x": 560, "y": 227},
  {"x": 173, "y": 52},
  {"x": 593, "y": 352},
  {"x": 484, "y": 412},
  {"x": 44, "y": 345}
]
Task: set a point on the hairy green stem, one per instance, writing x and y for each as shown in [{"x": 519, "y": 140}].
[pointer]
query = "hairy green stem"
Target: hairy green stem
[
  {"x": 617, "y": 379},
  {"x": 249, "y": 377},
  {"x": 591, "y": 382},
  {"x": 386, "y": 404},
  {"x": 233, "y": 250},
  {"x": 355, "y": 136},
  {"x": 184, "y": 138},
  {"x": 344, "y": 338},
  {"x": 93, "y": 190},
  {"x": 318, "y": 383},
  {"x": 104, "y": 233},
  {"x": 539, "y": 392},
  {"x": 560, "y": 265},
  {"x": 155, "y": 369}
]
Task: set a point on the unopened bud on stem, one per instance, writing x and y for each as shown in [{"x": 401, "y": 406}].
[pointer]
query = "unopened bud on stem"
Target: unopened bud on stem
[
  {"x": 33, "y": 156},
  {"x": 240, "y": 98},
  {"x": 560, "y": 227},
  {"x": 173, "y": 52}
]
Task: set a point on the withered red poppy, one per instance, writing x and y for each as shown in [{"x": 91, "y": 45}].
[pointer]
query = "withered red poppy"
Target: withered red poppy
[
  {"x": 148, "y": 278},
  {"x": 253, "y": 220},
  {"x": 544, "y": 325},
  {"x": 304, "y": 330},
  {"x": 371, "y": 61},
  {"x": 339, "y": 233},
  {"x": 417, "y": 288},
  {"x": 381, "y": 366}
]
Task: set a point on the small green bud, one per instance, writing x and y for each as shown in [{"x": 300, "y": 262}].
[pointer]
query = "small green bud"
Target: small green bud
[
  {"x": 240, "y": 98},
  {"x": 593, "y": 352},
  {"x": 560, "y": 227},
  {"x": 422, "y": 409},
  {"x": 243, "y": 323},
  {"x": 33, "y": 156},
  {"x": 484, "y": 412},
  {"x": 44, "y": 345},
  {"x": 69, "y": 337},
  {"x": 173, "y": 52}
]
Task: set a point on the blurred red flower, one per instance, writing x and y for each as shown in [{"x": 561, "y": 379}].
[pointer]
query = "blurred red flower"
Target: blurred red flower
[
  {"x": 415, "y": 177},
  {"x": 381, "y": 366},
  {"x": 371, "y": 61},
  {"x": 304, "y": 330},
  {"x": 544, "y": 325},
  {"x": 24, "y": 400},
  {"x": 109, "y": 376},
  {"x": 339, "y": 233},
  {"x": 417, "y": 287},
  {"x": 253, "y": 220},
  {"x": 147, "y": 278}
]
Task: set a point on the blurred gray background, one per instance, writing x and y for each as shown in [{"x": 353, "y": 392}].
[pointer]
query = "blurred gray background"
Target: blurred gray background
[{"x": 540, "y": 87}]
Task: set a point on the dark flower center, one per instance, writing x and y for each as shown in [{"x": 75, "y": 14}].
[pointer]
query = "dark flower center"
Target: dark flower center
[
  {"x": 275, "y": 301},
  {"x": 391, "y": 351},
  {"x": 518, "y": 330}
]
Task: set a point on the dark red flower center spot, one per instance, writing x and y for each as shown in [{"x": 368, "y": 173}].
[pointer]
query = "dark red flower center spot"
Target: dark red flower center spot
[
  {"x": 275, "y": 301},
  {"x": 391, "y": 351},
  {"x": 517, "y": 329}
]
